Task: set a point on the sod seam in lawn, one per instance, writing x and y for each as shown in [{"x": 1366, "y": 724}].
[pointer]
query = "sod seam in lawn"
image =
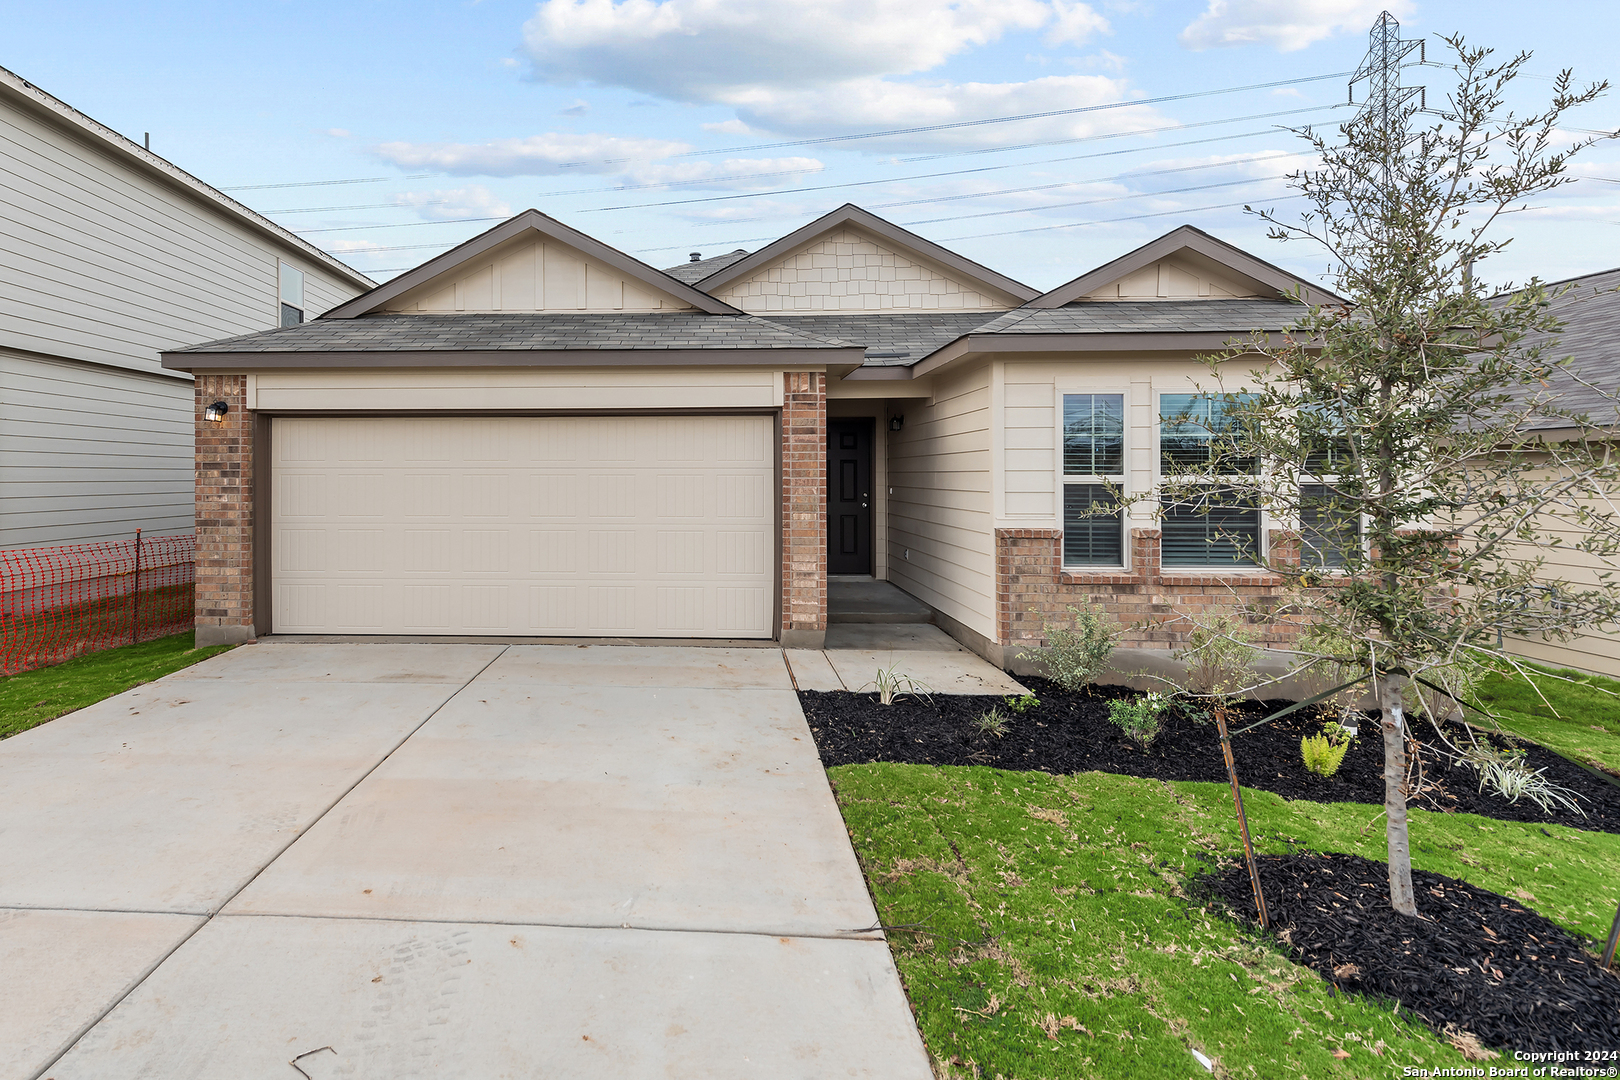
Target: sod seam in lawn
[
  {"x": 1057, "y": 940},
  {"x": 31, "y": 698}
]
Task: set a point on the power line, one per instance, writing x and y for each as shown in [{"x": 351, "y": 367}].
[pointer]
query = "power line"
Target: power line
[
  {"x": 366, "y": 206},
  {"x": 326, "y": 183},
  {"x": 400, "y": 225},
  {"x": 1094, "y": 202},
  {"x": 848, "y": 138},
  {"x": 1111, "y": 221},
  {"x": 959, "y": 124}
]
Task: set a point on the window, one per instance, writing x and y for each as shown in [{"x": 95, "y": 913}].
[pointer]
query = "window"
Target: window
[
  {"x": 1217, "y": 525},
  {"x": 292, "y": 295},
  {"x": 1093, "y": 458},
  {"x": 1329, "y": 534}
]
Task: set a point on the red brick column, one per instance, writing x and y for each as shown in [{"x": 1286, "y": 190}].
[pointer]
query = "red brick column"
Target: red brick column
[
  {"x": 224, "y": 513},
  {"x": 804, "y": 509}
]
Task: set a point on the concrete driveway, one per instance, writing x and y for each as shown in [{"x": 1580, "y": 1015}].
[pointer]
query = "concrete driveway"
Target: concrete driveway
[{"x": 439, "y": 861}]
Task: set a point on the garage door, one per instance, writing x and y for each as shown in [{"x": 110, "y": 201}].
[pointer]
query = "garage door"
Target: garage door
[{"x": 574, "y": 526}]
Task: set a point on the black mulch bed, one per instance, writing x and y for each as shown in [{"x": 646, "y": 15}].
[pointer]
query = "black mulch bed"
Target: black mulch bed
[
  {"x": 1472, "y": 959},
  {"x": 1070, "y": 732}
]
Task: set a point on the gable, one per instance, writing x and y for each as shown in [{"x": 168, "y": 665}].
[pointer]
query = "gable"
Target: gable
[
  {"x": 1183, "y": 276},
  {"x": 849, "y": 269},
  {"x": 533, "y": 273}
]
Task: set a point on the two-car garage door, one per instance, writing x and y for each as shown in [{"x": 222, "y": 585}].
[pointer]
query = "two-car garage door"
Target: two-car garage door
[{"x": 569, "y": 526}]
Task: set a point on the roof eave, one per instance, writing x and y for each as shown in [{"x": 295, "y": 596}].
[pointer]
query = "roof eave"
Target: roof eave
[
  {"x": 64, "y": 116},
  {"x": 515, "y": 226},
  {"x": 1195, "y": 239},
  {"x": 850, "y": 214},
  {"x": 1177, "y": 341},
  {"x": 798, "y": 357}
]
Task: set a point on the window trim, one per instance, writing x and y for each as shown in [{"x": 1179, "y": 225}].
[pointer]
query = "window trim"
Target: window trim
[
  {"x": 1263, "y": 522},
  {"x": 1121, "y": 480},
  {"x": 302, "y": 307}
]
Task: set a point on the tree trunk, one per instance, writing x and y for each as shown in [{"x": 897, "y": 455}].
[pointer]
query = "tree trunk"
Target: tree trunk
[{"x": 1393, "y": 723}]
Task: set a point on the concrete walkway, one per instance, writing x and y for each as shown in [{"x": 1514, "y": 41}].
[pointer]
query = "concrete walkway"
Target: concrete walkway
[{"x": 439, "y": 861}]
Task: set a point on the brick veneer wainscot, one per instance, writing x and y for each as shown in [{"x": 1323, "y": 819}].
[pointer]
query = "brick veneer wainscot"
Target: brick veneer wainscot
[
  {"x": 224, "y": 481},
  {"x": 804, "y": 509},
  {"x": 1033, "y": 588}
]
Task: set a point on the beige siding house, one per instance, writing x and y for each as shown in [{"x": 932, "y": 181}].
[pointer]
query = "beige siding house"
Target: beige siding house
[
  {"x": 108, "y": 256},
  {"x": 534, "y": 435}
]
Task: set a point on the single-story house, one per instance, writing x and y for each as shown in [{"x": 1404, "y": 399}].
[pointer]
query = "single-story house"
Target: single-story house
[
  {"x": 110, "y": 255},
  {"x": 537, "y": 435}
]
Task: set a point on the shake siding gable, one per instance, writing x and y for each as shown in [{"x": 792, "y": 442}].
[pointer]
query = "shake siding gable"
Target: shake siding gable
[{"x": 939, "y": 466}]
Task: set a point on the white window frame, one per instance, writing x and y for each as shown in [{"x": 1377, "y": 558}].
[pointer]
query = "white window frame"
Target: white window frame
[
  {"x": 1121, "y": 481},
  {"x": 1262, "y": 542},
  {"x": 302, "y": 307}
]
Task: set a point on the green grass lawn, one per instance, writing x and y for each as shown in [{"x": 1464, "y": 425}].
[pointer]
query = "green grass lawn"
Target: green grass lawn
[
  {"x": 1586, "y": 725},
  {"x": 33, "y": 697},
  {"x": 1062, "y": 942}
]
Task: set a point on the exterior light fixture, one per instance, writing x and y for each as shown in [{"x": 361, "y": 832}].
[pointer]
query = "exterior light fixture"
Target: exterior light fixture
[
  {"x": 896, "y": 422},
  {"x": 216, "y": 412}
]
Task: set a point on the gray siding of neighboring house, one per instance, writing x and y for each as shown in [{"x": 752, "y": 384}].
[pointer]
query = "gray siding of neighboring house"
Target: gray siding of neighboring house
[{"x": 108, "y": 257}]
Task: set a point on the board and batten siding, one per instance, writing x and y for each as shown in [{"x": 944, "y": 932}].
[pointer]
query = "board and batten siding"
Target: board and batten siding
[
  {"x": 941, "y": 540},
  {"x": 104, "y": 264}
]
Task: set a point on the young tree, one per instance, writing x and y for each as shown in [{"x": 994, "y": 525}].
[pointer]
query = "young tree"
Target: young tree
[{"x": 1405, "y": 432}]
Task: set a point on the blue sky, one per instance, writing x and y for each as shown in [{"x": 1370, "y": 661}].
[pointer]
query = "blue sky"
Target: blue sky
[{"x": 677, "y": 126}]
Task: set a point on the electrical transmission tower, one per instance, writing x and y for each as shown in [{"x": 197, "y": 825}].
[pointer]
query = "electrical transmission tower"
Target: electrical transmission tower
[{"x": 1381, "y": 71}]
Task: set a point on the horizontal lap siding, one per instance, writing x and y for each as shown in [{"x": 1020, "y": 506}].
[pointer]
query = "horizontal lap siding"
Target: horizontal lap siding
[
  {"x": 91, "y": 453},
  {"x": 1595, "y": 650},
  {"x": 108, "y": 265},
  {"x": 939, "y": 468}
]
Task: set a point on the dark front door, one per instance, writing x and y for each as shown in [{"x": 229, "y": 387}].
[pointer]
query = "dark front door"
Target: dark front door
[{"x": 849, "y": 496}]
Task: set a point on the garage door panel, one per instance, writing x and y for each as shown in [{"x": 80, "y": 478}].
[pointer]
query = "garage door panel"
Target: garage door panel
[{"x": 660, "y": 526}]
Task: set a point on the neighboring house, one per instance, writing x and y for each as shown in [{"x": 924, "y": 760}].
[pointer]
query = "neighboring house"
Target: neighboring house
[
  {"x": 108, "y": 256},
  {"x": 537, "y": 435},
  {"x": 1589, "y": 308}
]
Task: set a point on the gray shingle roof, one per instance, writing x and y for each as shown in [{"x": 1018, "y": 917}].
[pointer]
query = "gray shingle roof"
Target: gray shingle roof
[
  {"x": 694, "y": 272},
  {"x": 892, "y": 339},
  {"x": 1149, "y": 316},
  {"x": 525, "y": 332},
  {"x": 1590, "y": 312}
]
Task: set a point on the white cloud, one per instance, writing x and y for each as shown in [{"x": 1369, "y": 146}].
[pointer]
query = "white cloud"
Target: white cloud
[
  {"x": 877, "y": 104},
  {"x": 336, "y": 133},
  {"x": 1073, "y": 23},
  {"x": 475, "y": 200},
  {"x": 711, "y": 50},
  {"x": 729, "y": 127},
  {"x": 1286, "y": 25},
  {"x": 579, "y": 108},
  {"x": 536, "y": 155}
]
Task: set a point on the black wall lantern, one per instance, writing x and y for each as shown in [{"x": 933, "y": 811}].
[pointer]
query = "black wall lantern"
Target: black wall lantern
[
  {"x": 896, "y": 423},
  {"x": 216, "y": 412}
]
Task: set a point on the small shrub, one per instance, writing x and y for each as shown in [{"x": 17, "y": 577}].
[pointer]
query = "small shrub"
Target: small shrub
[
  {"x": 1075, "y": 655},
  {"x": 1140, "y": 718},
  {"x": 991, "y": 722},
  {"x": 1507, "y": 774},
  {"x": 1022, "y": 703},
  {"x": 892, "y": 684},
  {"x": 1324, "y": 753}
]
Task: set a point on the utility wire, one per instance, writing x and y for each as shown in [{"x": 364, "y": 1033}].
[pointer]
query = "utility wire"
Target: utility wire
[
  {"x": 1110, "y": 221},
  {"x": 848, "y": 138},
  {"x": 1094, "y": 202}
]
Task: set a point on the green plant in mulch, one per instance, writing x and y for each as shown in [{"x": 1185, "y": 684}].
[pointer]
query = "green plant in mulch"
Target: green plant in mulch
[
  {"x": 1044, "y": 927},
  {"x": 1074, "y": 655},
  {"x": 1140, "y": 718},
  {"x": 992, "y": 722},
  {"x": 892, "y": 684},
  {"x": 1324, "y": 752},
  {"x": 1021, "y": 703},
  {"x": 33, "y": 697}
]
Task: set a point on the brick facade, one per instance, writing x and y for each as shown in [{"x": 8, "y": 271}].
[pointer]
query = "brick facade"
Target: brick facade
[
  {"x": 804, "y": 509},
  {"x": 224, "y": 513},
  {"x": 1153, "y": 606}
]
